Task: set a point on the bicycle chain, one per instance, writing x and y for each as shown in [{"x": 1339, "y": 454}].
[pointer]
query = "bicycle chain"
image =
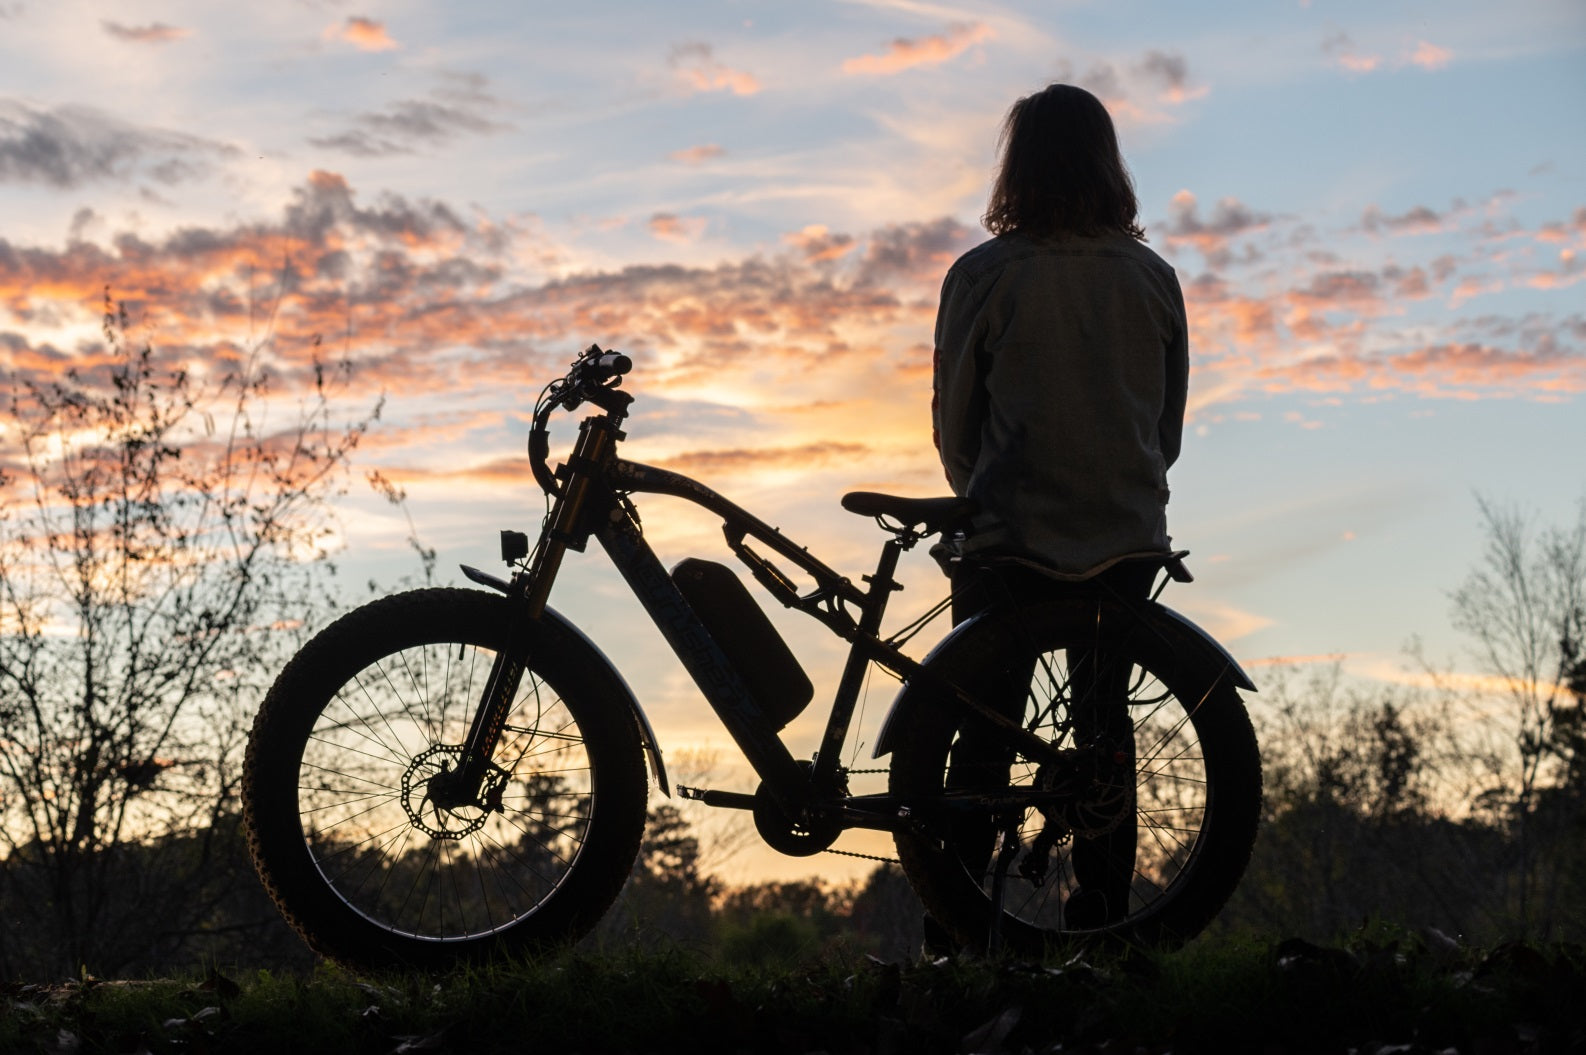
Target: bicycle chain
[
  {"x": 863, "y": 857},
  {"x": 853, "y": 853}
]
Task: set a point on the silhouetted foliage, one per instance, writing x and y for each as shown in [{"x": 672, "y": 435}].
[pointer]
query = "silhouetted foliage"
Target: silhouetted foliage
[
  {"x": 158, "y": 549},
  {"x": 1457, "y": 808},
  {"x": 1524, "y": 608}
]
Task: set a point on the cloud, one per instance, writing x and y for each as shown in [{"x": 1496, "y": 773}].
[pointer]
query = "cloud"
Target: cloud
[
  {"x": 1572, "y": 230},
  {"x": 751, "y": 460},
  {"x": 919, "y": 251},
  {"x": 1358, "y": 290},
  {"x": 1571, "y": 268},
  {"x": 405, "y": 126},
  {"x": 460, "y": 106},
  {"x": 1474, "y": 286},
  {"x": 1341, "y": 51},
  {"x": 1407, "y": 283},
  {"x": 71, "y": 146},
  {"x": 441, "y": 306},
  {"x": 699, "y": 71},
  {"x": 906, "y": 54},
  {"x": 153, "y": 33},
  {"x": 1230, "y": 219},
  {"x": 365, "y": 34},
  {"x": 427, "y": 302},
  {"x": 1170, "y": 73},
  {"x": 1429, "y": 56},
  {"x": 1419, "y": 220},
  {"x": 332, "y": 253},
  {"x": 1446, "y": 370},
  {"x": 1137, "y": 92},
  {"x": 697, "y": 155},
  {"x": 1224, "y": 621},
  {"x": 669, "y": 227},
  {"x": 815, "y": 243},
  {"x": 1337, "y": 323}
]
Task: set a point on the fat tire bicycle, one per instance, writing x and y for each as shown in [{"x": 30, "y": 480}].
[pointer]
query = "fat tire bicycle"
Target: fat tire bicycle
[{"x": 444, "y": 775}]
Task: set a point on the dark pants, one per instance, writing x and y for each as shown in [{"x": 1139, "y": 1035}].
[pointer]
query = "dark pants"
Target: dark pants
[{"x": 1097, "y": 691}]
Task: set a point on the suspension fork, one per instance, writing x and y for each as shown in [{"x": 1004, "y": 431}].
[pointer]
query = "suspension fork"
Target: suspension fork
[{"x": 567, "y": 526}]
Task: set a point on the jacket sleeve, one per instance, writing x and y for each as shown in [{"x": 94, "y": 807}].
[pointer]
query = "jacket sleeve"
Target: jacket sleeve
[
  {"x": 958, "y": 400},
  {"x": 1170, "y": 429}
]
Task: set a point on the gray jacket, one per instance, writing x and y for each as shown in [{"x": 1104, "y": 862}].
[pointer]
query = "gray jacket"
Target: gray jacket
[{"x": 1061, "y": 371}]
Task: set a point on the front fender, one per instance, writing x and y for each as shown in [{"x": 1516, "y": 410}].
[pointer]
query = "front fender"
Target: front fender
[
  {"x": 592, "y": 656},
  {"x": 1176, "y": 632}
]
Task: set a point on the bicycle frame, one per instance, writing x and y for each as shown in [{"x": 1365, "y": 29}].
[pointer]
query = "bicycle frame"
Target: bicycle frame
[{"x": 591, "y": 499}]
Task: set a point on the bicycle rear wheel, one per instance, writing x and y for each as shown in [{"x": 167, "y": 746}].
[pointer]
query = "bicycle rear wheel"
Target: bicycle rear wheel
[
  {"x": 342, "y": 824},
  {"x": 1157, "y": 814}
]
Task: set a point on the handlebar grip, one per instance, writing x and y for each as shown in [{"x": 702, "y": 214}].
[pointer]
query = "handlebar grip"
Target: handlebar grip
[{"x": 613, "y": 364}]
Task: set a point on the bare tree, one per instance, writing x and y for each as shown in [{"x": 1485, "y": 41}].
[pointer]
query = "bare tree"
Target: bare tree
[
  {"x": 160, "y": 541},
  {"x": 1524, "y": 608}
]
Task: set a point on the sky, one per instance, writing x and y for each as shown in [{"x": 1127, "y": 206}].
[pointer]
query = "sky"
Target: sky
[{"x": 1377, "y": 212}]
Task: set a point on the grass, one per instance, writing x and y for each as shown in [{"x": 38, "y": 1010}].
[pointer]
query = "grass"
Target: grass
[{"x": 1380, "y": 991}]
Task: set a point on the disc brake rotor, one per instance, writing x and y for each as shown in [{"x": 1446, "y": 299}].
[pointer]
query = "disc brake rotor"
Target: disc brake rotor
[{"x": 452, "y": 822}]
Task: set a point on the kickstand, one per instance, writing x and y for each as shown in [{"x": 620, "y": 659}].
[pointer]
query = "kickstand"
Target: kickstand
[{"x": 1006, "y": 852}]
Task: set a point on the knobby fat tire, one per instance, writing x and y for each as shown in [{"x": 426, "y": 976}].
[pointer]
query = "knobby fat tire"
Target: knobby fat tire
[
  {"x": 1177, "y": 674},
  {"x": 356, "y": 702}
]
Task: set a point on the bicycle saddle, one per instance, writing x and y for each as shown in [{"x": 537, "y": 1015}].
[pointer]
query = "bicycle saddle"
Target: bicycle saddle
[{"x": 930, "y": 514}]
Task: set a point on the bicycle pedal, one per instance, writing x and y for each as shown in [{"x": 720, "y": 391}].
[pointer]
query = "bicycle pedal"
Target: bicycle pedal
[{"x": 685, "y": 792}]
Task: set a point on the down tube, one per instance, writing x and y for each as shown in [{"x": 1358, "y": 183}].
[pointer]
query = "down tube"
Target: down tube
[{"x": 701, "y": 657}]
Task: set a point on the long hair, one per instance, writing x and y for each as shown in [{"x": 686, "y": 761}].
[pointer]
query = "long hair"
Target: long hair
[{"x": 1061, "y": 171}]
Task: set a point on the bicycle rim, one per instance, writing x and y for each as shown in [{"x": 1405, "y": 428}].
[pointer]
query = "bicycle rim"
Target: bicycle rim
[{"x": 379, "y": 840}]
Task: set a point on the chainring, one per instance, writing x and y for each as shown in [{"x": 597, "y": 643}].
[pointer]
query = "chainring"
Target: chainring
[{"x": 811, "y": 833}]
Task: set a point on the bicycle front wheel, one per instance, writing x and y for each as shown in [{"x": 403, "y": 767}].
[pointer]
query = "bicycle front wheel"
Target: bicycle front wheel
[
  {"x": 363, "y": 858},
  {"x": 1140, "y": 831}
]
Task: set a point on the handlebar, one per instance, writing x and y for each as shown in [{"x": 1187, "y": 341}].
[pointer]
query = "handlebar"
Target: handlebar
[
  {"x": 609, "y": 364},
  {"x": 593, "y": 378}
]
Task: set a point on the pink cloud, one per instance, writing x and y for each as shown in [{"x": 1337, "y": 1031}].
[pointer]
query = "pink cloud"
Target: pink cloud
[
  {"x": 725, "y": 462},
  {"x": 905, "y": 53},
  {"x": 699, "y": 71},
  {"x": 424, "y": 301},
  {"x": 1132, "y": 92},
  {"x": 816, "y": 243},
  {"x": 1571, "y": 230},
  {"x": 1459, "y": 371},
  {"x": 1571, "y": 269},
  {"x": 1473, "y": 286},
  {"x": 1419, "y": 220},
  {"x": 672, "y": 228},
  {"x": 1429, "y": 56},
  {"x": 1230, "y": 219},
  {"x": 1359, "y": 291},
  {"x": 1341, "y": 51},
  {"x": 153, "y": 33},
  {"x": 697, "y": 155},
  {"x": 366, "y": 34}
]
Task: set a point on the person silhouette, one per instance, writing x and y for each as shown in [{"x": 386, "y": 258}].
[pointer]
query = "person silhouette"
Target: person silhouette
[{"x": 1060, "y": 375}]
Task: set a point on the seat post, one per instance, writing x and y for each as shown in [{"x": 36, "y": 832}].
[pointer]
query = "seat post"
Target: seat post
[{"x": 829, "y": 757}]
